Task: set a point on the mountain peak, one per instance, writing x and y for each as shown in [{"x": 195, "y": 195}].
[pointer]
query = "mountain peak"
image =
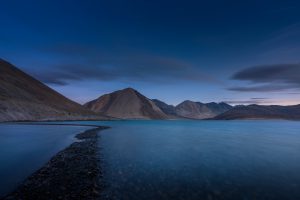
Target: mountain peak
[
  {"x": 126, "y": 104},
  {"x": 129, "y": 89},
  {"x": 2, "y": 60},
  {"x": 187, "y": 102}
]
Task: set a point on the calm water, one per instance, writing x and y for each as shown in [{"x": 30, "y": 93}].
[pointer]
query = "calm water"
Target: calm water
[
  {"x": 25, "y": 148},
  {"x": 145, "y": 160},
  {"x": 201, "y": 160}
]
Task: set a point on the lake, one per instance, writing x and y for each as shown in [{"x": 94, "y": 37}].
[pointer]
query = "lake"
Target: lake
[
  {"x": 26, "y": 148},
  {"x": 201, "y": 160},
  {"x": 179, "y": 159}
]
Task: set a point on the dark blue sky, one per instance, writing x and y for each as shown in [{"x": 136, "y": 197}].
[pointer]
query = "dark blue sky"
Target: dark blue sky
[{"x": 233, "y": 51}]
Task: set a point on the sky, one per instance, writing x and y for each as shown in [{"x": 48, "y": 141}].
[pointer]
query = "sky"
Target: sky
[{"x": 240, "y": 52}]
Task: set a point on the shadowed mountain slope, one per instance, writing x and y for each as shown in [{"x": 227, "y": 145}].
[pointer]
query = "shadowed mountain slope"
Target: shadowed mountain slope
[
  {"x": 261, "y": 112},
  {"x": 198, "y": 110},
  {"x": 166, "y": 108},
  {"x": 193, "y": 110},
  {"x": 126, "y": 104},
  {"x": 24, "y": 98}
]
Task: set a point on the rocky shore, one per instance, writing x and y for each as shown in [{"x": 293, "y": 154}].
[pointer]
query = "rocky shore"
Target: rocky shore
[{"x": 73, "y": 173}]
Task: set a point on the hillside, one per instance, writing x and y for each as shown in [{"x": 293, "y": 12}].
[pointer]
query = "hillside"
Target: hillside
[
  {"x": 24, "y": 98},
  {"x": 166, "y": 108},
  {"x": 126, "y": 104},
  {"x": 198, "y": 110},
  {"x": 261, "y": 112}
]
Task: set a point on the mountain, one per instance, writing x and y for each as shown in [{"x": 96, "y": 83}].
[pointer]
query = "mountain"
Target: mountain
[
  {"x": 24, "y": 98},
  {"x": 198, "y": 110},
  {"x": 193, "y": 110},
  {"x": 166, "y": 108},
  {"x": 218, "y": 108},
  {"x": 261, "y": 112},
  {"x": 126, "y": 104}
]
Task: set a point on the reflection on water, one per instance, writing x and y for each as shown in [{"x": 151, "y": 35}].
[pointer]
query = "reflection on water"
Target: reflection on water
[
  {"x": 201, "y": 160},
  {"x": 171, "y": 159},
  {"x": 25, "y": 148}
]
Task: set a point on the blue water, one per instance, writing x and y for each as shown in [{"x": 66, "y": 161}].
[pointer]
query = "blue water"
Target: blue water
[
  {"x": 153, "y": 160},
  {"x": 26, "y": 148},
  {"x": 201, "y": 160}
]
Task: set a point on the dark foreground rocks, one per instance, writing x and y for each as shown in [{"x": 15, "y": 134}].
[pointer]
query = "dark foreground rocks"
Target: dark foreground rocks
[{"x": 73, "y": 173}]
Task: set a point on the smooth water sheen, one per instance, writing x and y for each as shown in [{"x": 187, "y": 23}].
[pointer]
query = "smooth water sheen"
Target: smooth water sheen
[
  {"x": 153, "y": 160},
  {"x": 201, "y": 160},
  {"x": 25, "y": 148}
]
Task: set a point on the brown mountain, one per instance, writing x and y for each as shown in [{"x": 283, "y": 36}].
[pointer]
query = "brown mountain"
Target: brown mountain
[
  {"x": 198, "y": 110},
  {"x": 126, "y": 104},
  {"x": 24, "y": 98},
  {"x": 261, "y": 112},
  {"x": 166, "y": 108}
]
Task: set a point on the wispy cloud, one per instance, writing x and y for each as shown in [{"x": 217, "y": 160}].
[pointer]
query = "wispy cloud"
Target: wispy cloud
[
  {"x": 269, "y": 78},
  {"x": 246, "y": 102},
  {"x": 89, "y": 63},
  {"x": 285, "y": 35},
  {"x": 261, "y": 88},
  {"x": 259, "y": 98}
]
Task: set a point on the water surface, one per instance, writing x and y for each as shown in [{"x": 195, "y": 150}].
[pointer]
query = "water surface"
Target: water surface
[
  {"x": 171, "y": 159},
  {"x": 26, "y": 148},
  {"x": 201, "y": 160}
]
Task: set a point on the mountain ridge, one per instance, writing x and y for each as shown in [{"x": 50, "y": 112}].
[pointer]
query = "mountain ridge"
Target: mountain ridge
[
  {"x": 24, "y": 98},
  {"x": 261, "y": 112},
  {"x": 193, "y": 110},
  {"x": 126, "y": 104}
]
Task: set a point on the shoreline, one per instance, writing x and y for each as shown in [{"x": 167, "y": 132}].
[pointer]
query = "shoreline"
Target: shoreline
[
  {"x": 73, "y": 173},
  {"x": 54, "y": 124}
]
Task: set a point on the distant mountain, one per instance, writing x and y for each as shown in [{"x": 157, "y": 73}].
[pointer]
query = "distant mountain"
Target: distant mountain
[
  {"x": 166, "y": 108},
  {"x": 24, "y": 98},
  {"x": 261, "y": 112},
  {"x": 193, "y": 110},
  {"x": 126, "y": 104},
  {"x": 198, "y": 110},
  {"x": 218, "y": 108}
]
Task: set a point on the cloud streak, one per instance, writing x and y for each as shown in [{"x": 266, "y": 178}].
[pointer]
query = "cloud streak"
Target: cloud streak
[
  {"x": 269, "y": 78},
  {"x": 96, "y": 65},
  {"x": 246, "y": 102}
]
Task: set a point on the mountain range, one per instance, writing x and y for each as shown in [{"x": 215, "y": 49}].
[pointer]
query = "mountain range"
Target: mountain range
[
  {"x": 24, "y": 98},
  {"x": 130, "y": 104},
  {"x": 126, "y": 104},
  {"x": 198, "y": 110},
  {"x": 261, "y": 112},
  {"x": 193, "y": 110}
]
